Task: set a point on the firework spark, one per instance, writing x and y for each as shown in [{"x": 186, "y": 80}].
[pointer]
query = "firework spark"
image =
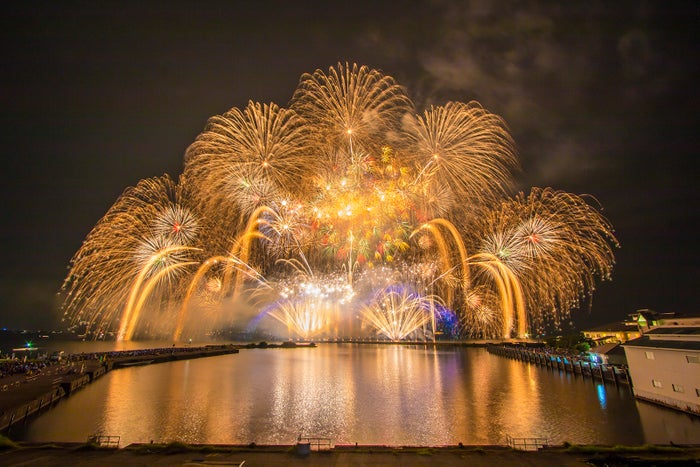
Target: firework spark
[
  {"x": 556, "y": 243},
  {"x": 396, "y": 313},
  {"x": 147, "y": 231}
]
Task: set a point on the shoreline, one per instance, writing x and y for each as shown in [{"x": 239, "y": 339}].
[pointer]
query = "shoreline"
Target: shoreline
[{"x": 78, "y": 454}]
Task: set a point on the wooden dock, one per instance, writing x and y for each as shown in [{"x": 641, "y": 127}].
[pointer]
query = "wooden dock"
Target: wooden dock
[{"x": 606, "y": 373}]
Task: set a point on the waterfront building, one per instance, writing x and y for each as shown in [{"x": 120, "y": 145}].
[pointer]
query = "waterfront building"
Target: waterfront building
[
  {"x": 664, "y": 363},
  {"x": 638, "y": 323},
  {"x": 615, "y": 333},
  {"x": 611, "y": 353},
  {"x": 649, "y": 319}
]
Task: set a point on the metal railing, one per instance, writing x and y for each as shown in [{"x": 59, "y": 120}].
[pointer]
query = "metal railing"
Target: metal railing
[
  {"x": 526, "y": 444},
  {"x": 104, "y": 440},
  {"x": 316, "y": 444}
]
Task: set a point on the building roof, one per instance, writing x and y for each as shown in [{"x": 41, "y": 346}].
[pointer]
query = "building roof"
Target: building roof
[
  {"x": 675, "y": 330},
  {"x": 646, "y": 341},
  {"x": 607, "y": 349},
  {"x": 687, "y": 315},
  {"x": 655, "y": 315}
]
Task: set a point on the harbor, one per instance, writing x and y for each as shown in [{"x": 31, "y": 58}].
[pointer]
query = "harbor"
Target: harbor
[{"x": 264, "y": 395}]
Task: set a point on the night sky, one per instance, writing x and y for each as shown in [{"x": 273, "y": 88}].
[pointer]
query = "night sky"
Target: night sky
[{"x": 601, "y": 97}]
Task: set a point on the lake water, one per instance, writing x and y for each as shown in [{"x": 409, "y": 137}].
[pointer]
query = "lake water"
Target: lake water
[{"x": 352, "y": 393}]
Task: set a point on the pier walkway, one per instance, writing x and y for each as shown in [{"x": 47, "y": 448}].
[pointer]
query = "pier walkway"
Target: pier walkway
[{"x": 568, "y": 363}]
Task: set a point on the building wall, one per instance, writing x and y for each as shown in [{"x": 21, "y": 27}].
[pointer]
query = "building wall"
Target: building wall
[
  {"x": 667, "y": 378},
  {"x": 616, "y": 359},
  {"x": 692, "y": 321}
]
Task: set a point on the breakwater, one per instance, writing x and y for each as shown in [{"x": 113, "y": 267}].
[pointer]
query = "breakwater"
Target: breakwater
[
  {"x": 429, "y": 343},
  {"x": 568, "y": 363},
  {"x": 22, "y": 396}
]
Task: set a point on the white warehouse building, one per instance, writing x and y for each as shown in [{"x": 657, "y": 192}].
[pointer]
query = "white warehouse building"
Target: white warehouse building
[{"x": 664, "y": 366}]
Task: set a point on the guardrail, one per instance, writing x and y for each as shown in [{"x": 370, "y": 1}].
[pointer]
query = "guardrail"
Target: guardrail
[
  {"x": 526, "y": 444},
  {"x": 104, "y": 440},
  {"x": 316, "y": 444}
]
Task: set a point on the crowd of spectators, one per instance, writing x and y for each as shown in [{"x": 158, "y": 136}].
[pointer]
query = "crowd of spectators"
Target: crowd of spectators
[
  {"x": 21, "y": 367},
  {"x": 13, "y": 365}
]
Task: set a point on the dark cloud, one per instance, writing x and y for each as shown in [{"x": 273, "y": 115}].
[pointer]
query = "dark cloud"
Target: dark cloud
[{"x": 562, "y": 76}]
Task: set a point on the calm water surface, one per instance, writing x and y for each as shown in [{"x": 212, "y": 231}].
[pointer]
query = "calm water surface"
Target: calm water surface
[{"x": 369, "y": 394}]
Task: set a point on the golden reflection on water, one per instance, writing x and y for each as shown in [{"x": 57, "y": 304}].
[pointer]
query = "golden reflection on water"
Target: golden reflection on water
[
  {"x": 309, "y": 397},
  {"x": 521, "y": 402},
  {"x": 178, "y": 401},
  {"x": 369, "y": 394}
]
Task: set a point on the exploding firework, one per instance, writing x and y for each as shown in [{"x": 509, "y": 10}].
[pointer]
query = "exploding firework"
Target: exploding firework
[
  {"x": 353, "y": 111},
  {"x": 348, "y": 212},
  {"x": 464, "y": 149},
  {"x": 484, "y": 317},
  {"x": 247, "y": 158},
  {"x": 308, "y": 305},
  {"x": 397, "y": 313},
  {"x": 144, "y": 240},
  {"x": 556, "y": 244}
]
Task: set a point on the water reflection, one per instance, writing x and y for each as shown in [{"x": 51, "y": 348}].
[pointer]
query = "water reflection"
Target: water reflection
[
  {"x": 664, "y": 426},
  {"x": 379, "y": 394},
  {"x": 602, "y": 397}
]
